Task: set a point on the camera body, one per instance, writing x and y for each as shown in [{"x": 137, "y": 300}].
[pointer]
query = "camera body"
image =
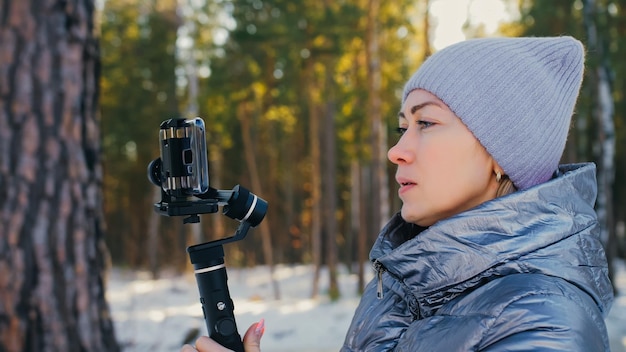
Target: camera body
[{"x": 185, "y": 169}]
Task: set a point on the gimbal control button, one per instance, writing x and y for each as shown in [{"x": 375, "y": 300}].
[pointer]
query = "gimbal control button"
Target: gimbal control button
[{"x": 226, "y": 326}]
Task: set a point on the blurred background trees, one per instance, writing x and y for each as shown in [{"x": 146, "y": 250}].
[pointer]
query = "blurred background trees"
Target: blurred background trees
[
  {"x": 300, "y": 101},
  {"x": 285, "y": 89}
]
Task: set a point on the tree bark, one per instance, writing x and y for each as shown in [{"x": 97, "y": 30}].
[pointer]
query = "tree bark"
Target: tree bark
[
  {"x": 248, "y": 147},
  {"x": 426, "y": 31},
  {"x": 316, "y": 178},
  {"x": 52, "y": 252},
  {"x": 154, "y": 222},
  {"x": 329, "y": 187},
  {"x": 380, "y": 197},
  {"x": 359, "y": 227},
  {"x": 603, "y": 114}
]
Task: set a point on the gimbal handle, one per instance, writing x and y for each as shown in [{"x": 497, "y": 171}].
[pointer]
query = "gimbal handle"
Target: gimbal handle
[{"x": 217, "y": 305}]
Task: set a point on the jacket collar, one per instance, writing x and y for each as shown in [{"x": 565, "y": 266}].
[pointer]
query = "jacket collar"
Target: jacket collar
[{"x": 525, "y": 231}]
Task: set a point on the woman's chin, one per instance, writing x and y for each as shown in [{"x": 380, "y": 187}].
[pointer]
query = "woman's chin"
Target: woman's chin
[
  {"x": 415, "y": 218},
  {"x": 409, "y": 216}
]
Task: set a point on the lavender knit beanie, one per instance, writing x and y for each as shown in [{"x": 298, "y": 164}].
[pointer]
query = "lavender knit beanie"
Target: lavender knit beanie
[{"x": 516, "y": 95}]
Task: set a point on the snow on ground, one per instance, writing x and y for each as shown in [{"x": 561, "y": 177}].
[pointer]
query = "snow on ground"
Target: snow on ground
[{"x": 156, "y": 315}]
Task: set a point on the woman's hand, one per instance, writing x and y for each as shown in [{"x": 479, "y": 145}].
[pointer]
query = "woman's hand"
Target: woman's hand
[{"x": 251, "y": 341}]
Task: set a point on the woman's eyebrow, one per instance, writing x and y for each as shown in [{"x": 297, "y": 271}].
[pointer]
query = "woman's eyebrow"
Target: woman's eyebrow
[{"x": 418, "y": 107}]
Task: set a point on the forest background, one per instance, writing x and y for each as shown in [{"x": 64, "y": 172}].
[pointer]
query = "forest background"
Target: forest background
[{"x": 300, "y": 100}]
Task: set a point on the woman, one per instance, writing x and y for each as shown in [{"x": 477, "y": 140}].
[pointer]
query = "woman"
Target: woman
[{"x": 496, "y": 247}]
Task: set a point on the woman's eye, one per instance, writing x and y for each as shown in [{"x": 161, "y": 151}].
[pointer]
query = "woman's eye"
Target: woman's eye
[
  {"x": 424, "y": 124},
  {"x": 401, "y": 130}
]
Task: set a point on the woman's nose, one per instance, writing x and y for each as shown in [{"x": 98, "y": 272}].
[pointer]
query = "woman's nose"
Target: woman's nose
[{"x": 398, "y": 154}]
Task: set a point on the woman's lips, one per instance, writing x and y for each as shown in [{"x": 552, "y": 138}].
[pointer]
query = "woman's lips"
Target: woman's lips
[{"x": 405, "y": 184}]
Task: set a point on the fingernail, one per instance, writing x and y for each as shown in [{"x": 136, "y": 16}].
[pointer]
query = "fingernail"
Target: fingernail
[{"x": 260, "y": 328}]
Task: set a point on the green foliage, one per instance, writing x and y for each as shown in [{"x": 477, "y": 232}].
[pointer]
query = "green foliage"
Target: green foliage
[
  {"x": 264, "y": 63},
  {"x": 267, "y": 65},
  {"x": 138, "y": 91}
]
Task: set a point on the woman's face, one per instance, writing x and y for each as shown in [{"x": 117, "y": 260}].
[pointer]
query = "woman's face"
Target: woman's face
[{"x": 442, "y": 168}]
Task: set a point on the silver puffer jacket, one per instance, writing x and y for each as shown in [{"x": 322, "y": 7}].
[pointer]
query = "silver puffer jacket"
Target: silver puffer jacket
[{"x": 523, "y": 272}]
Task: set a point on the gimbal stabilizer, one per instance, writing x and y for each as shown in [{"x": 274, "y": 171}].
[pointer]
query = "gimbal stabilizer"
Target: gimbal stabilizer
[{"x": 182, "y": 173}]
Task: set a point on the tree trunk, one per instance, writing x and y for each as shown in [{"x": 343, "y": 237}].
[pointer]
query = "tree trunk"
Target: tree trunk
[
  {"x": 217, "y": 229},
  {"x": 329, "y": 194},
  {"x": 316, "y": 179},
  {"x": 380, "y": 197},
  {"x": 193, "y": 231},
  {"x": 351, "y": 257},
  {"x": 52, "y": 251},
  {"x": 603, "y": 114},
  {"x": 154, "y": 222},
  {"x": 359, "y": 220},
  {"x": 426, "y": 31},
  {"x": 244, "y": 114}
]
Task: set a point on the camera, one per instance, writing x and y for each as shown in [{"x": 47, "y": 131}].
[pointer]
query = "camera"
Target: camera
[
  {"x": 182, "y": 173},
  {"x": 184, "y": 169}
]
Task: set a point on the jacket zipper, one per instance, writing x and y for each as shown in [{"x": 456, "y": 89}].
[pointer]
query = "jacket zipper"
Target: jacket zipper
[{"x": 380, "y": 269}]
